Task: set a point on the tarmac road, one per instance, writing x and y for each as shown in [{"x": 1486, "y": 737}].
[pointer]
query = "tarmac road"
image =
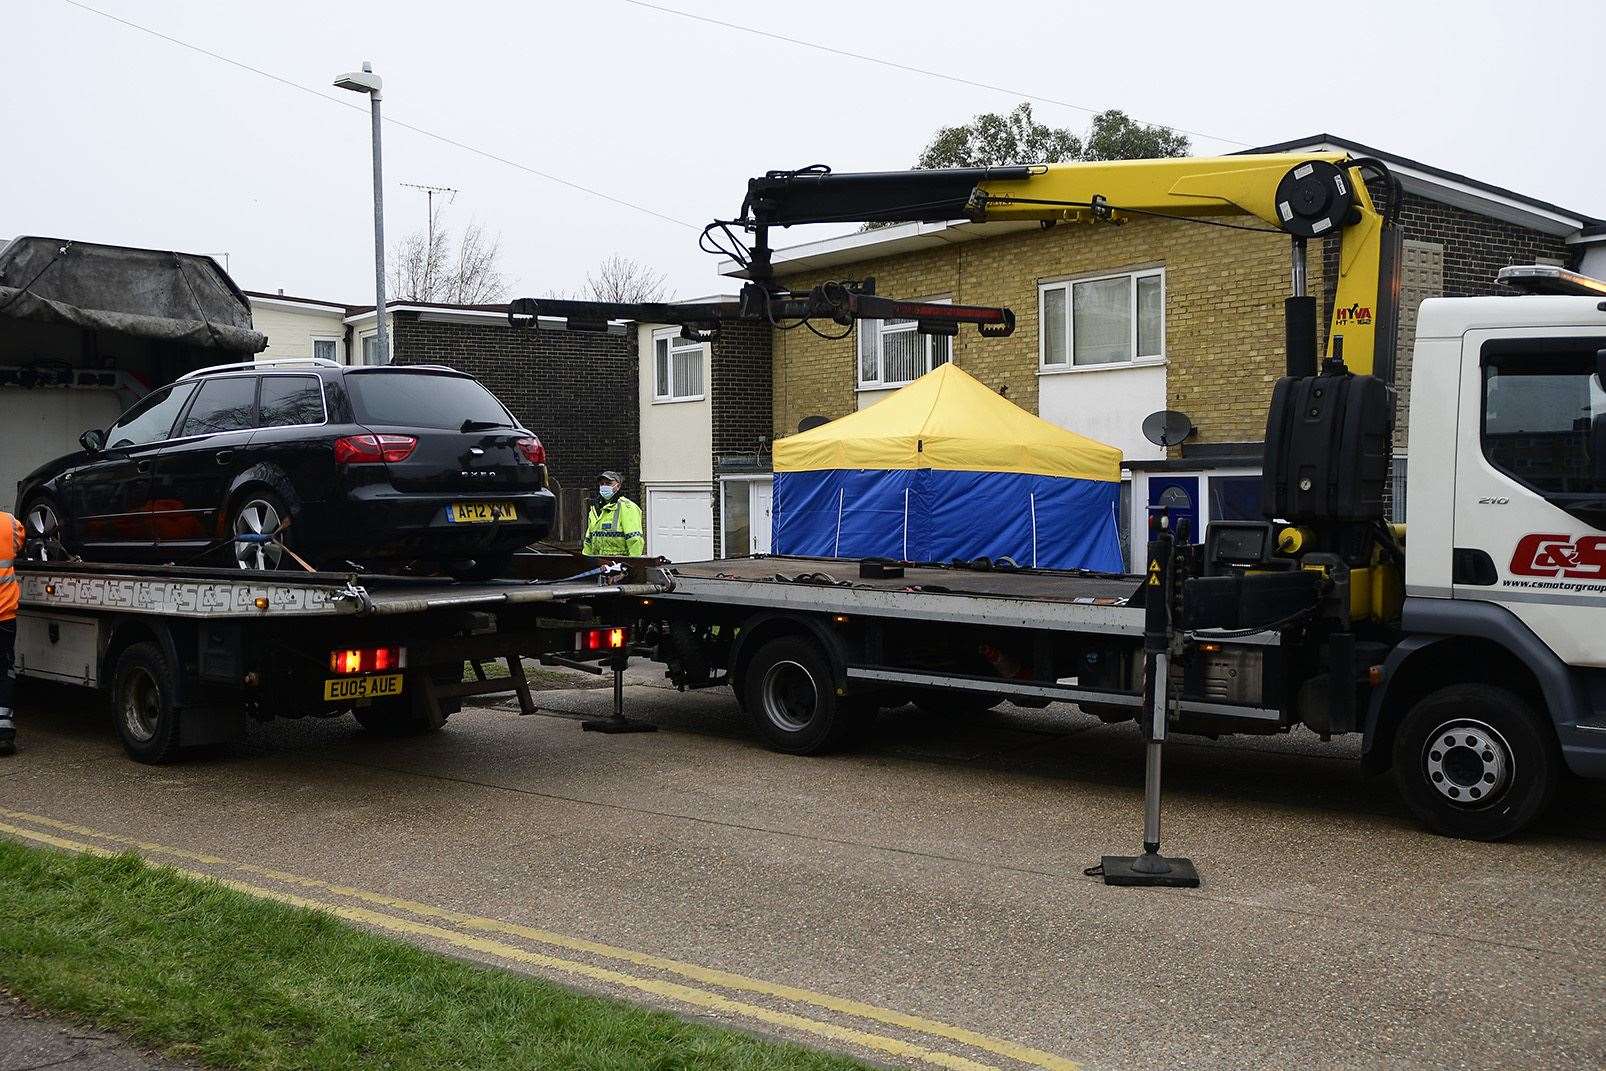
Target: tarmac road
[{"x": 920, "y": 903}]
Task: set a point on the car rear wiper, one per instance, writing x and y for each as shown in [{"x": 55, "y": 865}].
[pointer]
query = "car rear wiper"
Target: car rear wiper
[{"x": 482, "y": 425}]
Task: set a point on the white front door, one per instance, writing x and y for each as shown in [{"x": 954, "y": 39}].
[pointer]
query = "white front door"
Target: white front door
[
  {"x": 763, "y": 498},
  {"x": 680, "y": 523},
  {"x": 1530, "y": 478}
]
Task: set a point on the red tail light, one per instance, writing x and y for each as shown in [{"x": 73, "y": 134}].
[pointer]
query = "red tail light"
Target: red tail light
[
  {"x": 360, "y": 449},
  {"x": 532, "y": 450},
  {"x": 366, "y": 660},
  {"x": 602, "y": 639}
]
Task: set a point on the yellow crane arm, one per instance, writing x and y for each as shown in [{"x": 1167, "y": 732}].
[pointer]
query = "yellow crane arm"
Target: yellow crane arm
[
  {"x": 1193, "y": 187},
  {"x": 1304, "y": 195}
]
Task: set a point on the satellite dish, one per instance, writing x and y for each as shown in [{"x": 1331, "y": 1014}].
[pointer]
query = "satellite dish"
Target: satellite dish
[
  {"x": 1167, "y": 427},
  {"x": 809, "y": 423}
]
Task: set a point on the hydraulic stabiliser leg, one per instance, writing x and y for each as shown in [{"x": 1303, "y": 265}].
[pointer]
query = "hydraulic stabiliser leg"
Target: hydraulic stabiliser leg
[
  {"x": 1152, "y": 868},
  {"x": 617, "y": 722}
]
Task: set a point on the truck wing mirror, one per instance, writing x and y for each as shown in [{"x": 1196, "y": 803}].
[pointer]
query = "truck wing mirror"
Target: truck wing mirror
[{"x": 93, "y": 440}]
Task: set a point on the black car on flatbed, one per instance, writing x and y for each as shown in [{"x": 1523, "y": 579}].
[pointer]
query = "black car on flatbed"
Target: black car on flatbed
[{"x": 260, "y": 462}]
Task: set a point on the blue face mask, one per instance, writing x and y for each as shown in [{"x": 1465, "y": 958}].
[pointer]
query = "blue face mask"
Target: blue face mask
[{"x": 605, "y": 491}]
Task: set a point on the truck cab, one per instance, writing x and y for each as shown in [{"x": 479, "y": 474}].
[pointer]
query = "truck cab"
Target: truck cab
[{"x": 1499, "y": 678}]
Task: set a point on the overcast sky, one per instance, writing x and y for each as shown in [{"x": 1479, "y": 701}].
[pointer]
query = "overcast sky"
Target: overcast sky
[{"x": 114, "y": 135}]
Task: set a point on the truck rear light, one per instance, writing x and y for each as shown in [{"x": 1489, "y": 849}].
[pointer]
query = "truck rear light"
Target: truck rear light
[
  {"x": 367, "y": 659},
  {"x": 366, "y": 449},
  {"x": 532, "y": 450},
  {"x": 602, "y": 639}
]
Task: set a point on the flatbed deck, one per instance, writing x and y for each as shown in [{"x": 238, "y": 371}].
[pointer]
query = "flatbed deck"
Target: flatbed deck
[
  {"x": 1033, "y": 598},
  {"x": 211, "y": 593}
]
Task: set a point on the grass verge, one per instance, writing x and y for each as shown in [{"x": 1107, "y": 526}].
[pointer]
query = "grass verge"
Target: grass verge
[{"x": 201, "y": 972}]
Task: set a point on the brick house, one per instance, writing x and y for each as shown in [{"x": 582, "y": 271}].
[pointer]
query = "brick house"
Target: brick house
[
  {"x": 1114, "y": 323},
  {"x": 576, "y": 390}
]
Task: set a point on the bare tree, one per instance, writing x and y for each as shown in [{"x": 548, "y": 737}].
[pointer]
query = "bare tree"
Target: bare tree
[
  {"x": 625, "y": 280},
  {"x": 430, "y": 266}
]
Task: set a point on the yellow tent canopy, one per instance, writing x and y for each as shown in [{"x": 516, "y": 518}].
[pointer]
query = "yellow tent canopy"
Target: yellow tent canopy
[{"x": 946, "y": 419}]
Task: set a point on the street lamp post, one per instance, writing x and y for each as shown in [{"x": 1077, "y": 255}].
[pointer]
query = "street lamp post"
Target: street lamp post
[{"x": 366, "y": 81}]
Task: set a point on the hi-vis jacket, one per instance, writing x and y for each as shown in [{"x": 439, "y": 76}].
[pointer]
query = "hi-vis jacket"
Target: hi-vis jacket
[
  {"x": 615, "y": 531},
  {"x": 10, "y": 551}
]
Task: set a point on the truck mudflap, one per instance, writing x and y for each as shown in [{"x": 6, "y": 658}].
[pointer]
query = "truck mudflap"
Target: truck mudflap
[{"x": 1580, "y": 729}]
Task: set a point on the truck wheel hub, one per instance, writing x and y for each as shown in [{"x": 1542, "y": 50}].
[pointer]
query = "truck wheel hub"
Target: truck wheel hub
[
  {"x": 789, "y": 696},
  {"x": 1468, "y": 762}
]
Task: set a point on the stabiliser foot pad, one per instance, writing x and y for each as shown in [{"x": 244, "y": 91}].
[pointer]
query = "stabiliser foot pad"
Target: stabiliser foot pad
[
  {"x": 618, "y": 725},
  {"x": 1118, "y": 870}
]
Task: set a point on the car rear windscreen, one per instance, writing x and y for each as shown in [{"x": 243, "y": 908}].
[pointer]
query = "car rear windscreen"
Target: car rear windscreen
[{"x": 423, "y": 400}]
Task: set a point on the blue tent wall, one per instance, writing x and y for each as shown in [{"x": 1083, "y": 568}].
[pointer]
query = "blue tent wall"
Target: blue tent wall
[{"x": 951, "y": 515}]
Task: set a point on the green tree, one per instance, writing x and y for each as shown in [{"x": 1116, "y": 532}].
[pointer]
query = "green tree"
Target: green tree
[
  {"x": 994, "y": 140},
  {"x": 997, "y": 140}
]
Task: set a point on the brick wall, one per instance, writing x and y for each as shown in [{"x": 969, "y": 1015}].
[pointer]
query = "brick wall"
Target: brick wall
[
  {"x": 1223, "y": 303},
  {"x": 575, "y": 390},
  {"x": 1475, "y": 248},
  {"x": 740, "y": 396}
]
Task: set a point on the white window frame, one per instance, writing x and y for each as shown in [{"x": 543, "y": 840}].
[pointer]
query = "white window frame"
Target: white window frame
[
  {"x": 362, "y": 346},
  {"x": 678, "y": 345},
  {"x": 1067, "y": 284},
  {"x": 339, "y": 357},
  {"x": 927, "y": 343}
]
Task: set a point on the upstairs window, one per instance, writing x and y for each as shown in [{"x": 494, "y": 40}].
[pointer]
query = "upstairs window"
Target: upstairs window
[
  {"x": 893, "y": 352},
  {"x": 678, "y": 366},
  {"x": 1107, "y": 320}
]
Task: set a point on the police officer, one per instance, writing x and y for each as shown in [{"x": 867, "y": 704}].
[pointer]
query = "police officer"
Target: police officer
[
  {"x": 613, "y": 525},
  {"x": 10, "y": 596}
]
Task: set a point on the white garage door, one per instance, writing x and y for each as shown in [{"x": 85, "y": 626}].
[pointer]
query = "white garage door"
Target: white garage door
[{"x": 680, "y": 523}]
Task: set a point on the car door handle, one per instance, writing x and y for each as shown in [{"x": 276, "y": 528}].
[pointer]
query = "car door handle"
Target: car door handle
[
  {"x": 142, "y": 466},
  {"x": 224, "y": 456}
]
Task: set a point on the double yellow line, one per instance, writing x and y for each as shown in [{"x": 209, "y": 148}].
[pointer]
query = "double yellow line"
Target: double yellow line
[{"x": 467, "y": 932}]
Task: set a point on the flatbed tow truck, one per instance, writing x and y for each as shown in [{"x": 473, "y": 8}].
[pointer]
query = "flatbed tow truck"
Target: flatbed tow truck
[
  {"x": 189, "y": 654},
  {"x": 1474, "y": 667}
]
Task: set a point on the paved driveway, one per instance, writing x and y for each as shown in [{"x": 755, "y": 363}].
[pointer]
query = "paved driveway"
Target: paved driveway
[{"x": 920, "y": 903}]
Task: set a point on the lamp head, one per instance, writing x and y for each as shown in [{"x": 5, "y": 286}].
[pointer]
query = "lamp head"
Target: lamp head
[{"x": 363, "y": 81}]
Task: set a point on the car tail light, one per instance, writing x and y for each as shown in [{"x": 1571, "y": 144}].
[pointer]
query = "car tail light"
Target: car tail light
[
  {"x": 360, "y": 449},
  {"x": 367, "y": 659},
  {"x": 532, "y": 450},
  {"x": 602, "y": 639}
]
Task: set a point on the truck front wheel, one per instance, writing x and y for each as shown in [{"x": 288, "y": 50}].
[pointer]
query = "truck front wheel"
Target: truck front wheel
[
  {"x": 789, "y": 692},
  {"x": 143, "y": 698},
  {"x": 1476, "y": 762}
]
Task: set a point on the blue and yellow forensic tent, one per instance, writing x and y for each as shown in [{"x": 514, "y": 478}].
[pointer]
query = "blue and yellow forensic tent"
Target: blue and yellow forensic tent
[{"x": 944, "y": 470}]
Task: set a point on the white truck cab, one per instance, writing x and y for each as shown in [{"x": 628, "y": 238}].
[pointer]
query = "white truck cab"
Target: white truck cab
[{"x": 1504, "y": 618}]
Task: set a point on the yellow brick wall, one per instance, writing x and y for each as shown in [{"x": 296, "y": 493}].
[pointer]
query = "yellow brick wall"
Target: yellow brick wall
[{"x": 1224, "y": 316}]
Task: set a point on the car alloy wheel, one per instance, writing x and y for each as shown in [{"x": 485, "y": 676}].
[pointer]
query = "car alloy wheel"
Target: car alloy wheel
[
  {"x": 255, "y": 525},
  {"x": 1468, "y": 762},
  {"x": 44, "y": 528}
]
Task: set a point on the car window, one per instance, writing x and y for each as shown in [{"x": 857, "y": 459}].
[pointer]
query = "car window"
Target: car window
[
  {"x": 290, "y": 400},
  {"x": 226, "y": 404},
  {"x": 424, "y": 400},
  {"x": 151, "y": 419}
]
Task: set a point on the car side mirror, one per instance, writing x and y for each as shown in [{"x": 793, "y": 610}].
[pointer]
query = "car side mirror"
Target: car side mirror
[{"x": 92, "y": 440}]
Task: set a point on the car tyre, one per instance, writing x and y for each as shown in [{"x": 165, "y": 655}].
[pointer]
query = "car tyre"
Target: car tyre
[
  {"x": 789, "y": 692},
  {"x": 1476, "y": 762},
  {"x": 145, "y": 703},
  {"x": 44, "y": 530},
  {"x": 258, "y": 511}
]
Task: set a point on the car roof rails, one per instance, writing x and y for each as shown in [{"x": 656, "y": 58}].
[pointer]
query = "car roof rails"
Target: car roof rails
[{"x": 270, "y": 362}]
